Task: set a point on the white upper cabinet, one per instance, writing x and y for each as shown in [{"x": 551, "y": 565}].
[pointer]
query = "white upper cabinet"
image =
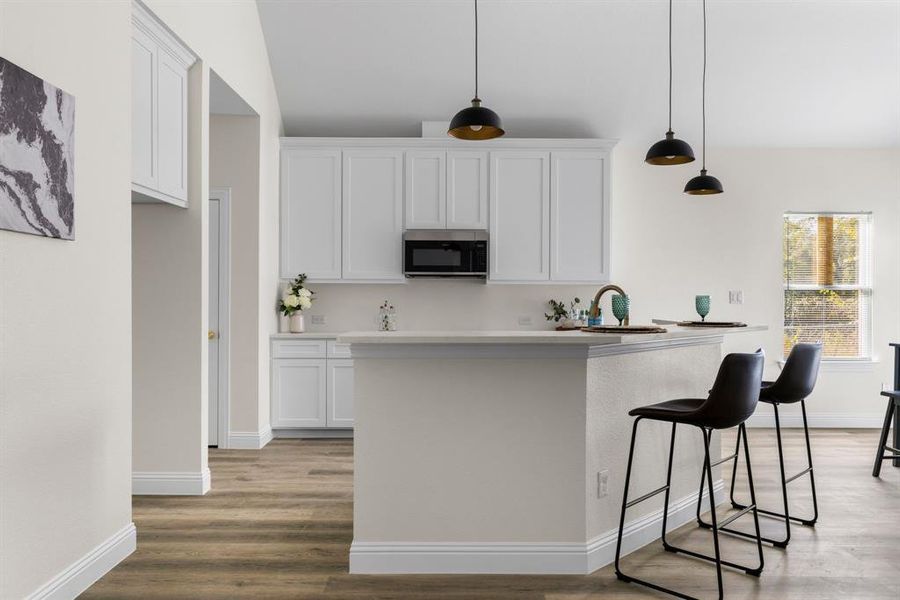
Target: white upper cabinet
[
  {"x": 426, "y": 189},
  {"x": 172, "y": 126},
  {"x": 372, "y": 214},
  {"x": 520, "y": 216},
  {"x": 579, "y": 217},
  {"x": 159, "y": 97},
  {"x": 143, "y": 109},
  {"x": 346, "y": 202},
  {"x": 311, "y": 213},
  {"x": 467, "y": 190},
  {"x": 446, "y": 190}
]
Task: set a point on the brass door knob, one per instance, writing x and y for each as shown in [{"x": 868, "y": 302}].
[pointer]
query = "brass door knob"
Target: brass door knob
[{"x": 211, "y": 334}]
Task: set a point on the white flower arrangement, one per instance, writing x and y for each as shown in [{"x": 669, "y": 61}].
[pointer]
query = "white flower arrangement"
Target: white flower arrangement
[{"x": 296, "y": 297}]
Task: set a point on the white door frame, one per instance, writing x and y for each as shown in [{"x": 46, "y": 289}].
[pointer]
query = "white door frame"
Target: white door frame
[{"x": 223, "y": 196}]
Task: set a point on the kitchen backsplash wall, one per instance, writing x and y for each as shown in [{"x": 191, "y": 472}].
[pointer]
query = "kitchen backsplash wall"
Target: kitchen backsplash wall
[{"x": 441, "y": 304}]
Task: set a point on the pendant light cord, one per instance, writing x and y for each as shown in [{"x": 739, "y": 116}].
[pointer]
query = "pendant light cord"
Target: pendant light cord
[
  {"x": 476, "y": 49},
  {"x": 670, "y": 65},
  {"x": 703, "y": 102}
]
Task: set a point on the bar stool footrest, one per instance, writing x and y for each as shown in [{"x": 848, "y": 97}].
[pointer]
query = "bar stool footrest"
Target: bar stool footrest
[
  {"x": 755, "y": 571},
  {"x": 778, "y": 515}
]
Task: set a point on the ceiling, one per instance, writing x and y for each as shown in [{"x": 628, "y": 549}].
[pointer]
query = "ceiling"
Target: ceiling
[
  {"x": 820, "y": 73},
  {"x": 223, "y": 100}
]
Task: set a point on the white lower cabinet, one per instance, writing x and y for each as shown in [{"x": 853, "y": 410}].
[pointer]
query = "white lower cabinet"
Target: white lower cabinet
[
  {"x": 312, "y": 392},
  {"x": 298, "y": 392},
  {"x": 340, "y": 392}
]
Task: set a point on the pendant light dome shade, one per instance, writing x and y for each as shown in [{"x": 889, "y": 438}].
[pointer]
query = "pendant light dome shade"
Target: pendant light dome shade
[
  {"x": 670, "y": 151},
  {"x": 476, "y": 123},
  {"x": 703, "y": 184}
]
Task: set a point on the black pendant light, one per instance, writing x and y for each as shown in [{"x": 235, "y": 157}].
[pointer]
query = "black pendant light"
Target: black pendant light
[
  {"x": 476, "y": 122},
  {"x": 670, "y": 151},
  {"x": 703, "y": 183}
]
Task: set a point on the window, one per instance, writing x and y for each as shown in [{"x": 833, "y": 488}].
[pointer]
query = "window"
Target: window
[{"x": 828, "y": 283}]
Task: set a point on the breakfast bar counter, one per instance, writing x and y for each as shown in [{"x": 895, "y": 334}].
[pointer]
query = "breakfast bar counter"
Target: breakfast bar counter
[{"x": 505, "y": 451}]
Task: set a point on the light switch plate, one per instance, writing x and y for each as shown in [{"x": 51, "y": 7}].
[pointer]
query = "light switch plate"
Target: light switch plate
[
  {"x": 317, "y": 319},
  {"x": 525, "y": 321},
  {"x": 736, "y": 297}
]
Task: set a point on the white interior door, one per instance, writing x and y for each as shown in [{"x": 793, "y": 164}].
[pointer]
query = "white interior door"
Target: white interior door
[
  {"x": 214, "y": 222},
  {"x": 219, "y": 244}
]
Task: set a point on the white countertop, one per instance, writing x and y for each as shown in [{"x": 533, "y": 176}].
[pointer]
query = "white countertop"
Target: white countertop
[
  {"x": 309, "y": 335},
  {"x": 533, "y": 337}
]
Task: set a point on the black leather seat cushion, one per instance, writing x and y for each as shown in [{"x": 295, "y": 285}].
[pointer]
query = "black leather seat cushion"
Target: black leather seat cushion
[{"x": 681, "y": 410}]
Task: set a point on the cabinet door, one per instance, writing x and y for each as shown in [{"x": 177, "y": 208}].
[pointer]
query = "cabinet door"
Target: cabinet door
[
  {"x": 520, "y": 216},
  {"x": 311, "y": 213},
  {"x": 340, "y": 392},
  {"x": 467, "y": 190},
  {"x": 143, "y": 109},
  {"x": 579, "y": 220},
  {"x": 298, "y": 392},
  {"x": 426, "y": 189},
  {"x": 372, "y": 214},
  {"x": 171, "y": 100}
]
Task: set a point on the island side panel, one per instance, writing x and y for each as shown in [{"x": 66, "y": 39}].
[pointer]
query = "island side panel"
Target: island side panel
[
  {"x": 617, "y": 383},
  {"x": 469, "y": 450}
]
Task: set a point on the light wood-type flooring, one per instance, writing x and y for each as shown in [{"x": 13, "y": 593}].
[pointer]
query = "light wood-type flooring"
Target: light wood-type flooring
[{"x": 278, "y": 524}]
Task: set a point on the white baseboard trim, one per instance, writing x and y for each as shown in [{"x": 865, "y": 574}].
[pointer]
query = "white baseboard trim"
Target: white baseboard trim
[
  {"x": 825, "y": 421},
  {"x": 89, "y": 568},
  {"x": 537, "y": 558},
  {"x": 161, "y": 483},
  {"x": 249, "y": 440},
  {"x": 313, "y": 433}
]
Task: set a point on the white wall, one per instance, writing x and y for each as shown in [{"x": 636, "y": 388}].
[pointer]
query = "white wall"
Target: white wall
[
  {"x": 227, "y": 36},
  {"x": 171, "y": 404},
  {"x": 65, "y": 313},
  {"x": 667, "y": 247},
  {"x": 233, "y": 150}
]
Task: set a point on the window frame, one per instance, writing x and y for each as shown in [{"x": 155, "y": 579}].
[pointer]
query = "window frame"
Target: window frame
[{"x": 866, "y": 285}]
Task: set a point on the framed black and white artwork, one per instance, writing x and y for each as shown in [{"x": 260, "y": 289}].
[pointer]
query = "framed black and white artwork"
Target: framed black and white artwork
[{"x": 37, "y": 152}]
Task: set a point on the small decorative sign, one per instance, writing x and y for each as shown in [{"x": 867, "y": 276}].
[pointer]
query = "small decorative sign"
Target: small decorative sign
[{"x": 37, "y": 155}]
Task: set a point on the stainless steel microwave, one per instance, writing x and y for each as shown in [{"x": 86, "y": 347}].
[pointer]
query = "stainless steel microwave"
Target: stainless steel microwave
[{"x": 445, "y": 253}]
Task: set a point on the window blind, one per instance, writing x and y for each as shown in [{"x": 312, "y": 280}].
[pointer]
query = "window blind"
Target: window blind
[{"x": 828, "y": 282}]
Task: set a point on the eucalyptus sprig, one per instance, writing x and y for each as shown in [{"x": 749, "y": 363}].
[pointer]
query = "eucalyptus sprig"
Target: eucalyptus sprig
[{"x": 559, "y": 310}]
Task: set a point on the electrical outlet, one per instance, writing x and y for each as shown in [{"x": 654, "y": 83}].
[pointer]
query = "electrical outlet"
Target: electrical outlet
[
  {"x": 602, "y": 483},
  {"x": 318, "y": 319},
  {"x": 525, "y": 321},
  {"x": 736, "y": 297}
]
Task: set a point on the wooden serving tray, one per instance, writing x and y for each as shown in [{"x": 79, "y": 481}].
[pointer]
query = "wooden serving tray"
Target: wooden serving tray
[
  {"x": 625, "y": 329},
  {"x": 711, "y": 324}
]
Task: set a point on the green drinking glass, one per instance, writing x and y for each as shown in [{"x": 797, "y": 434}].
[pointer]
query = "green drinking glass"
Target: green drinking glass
[
  {"x": 620, "y": 305},
  {"x": 701, "y": 303}
]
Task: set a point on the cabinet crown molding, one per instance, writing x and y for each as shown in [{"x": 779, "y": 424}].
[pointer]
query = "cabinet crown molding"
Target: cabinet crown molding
[
  {"x": 414, "y": 142},
  {"x": 151, "y": 25}
]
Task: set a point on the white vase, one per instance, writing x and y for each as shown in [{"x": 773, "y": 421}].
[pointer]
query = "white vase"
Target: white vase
[{"x": 297, "y": 325}]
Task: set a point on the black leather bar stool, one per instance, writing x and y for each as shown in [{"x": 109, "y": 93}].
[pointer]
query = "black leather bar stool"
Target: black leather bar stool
[
  {"x": 731, "y": 401},
  {"x": 794, "y": 384}
]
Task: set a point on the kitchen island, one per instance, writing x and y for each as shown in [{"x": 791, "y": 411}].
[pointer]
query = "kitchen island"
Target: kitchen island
[{"x": 505, "y": 452}]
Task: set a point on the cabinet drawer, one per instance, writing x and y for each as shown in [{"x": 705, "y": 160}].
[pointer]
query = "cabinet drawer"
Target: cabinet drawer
[
  {"x": 298, "y": 349},
  {"x": 338, "y": 350}
]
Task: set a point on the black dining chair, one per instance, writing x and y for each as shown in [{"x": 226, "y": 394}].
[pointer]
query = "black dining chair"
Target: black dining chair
[
  {"x": 731, "y": 401},
  {"x": 794, "y": 384},
  {"x": 892, "y": 414}
]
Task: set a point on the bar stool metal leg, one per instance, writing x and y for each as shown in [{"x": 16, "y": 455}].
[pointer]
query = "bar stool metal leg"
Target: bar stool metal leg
[
  {"x": 882, "y": 443},
  {"x": 785, "y": 516},
  {"x": 714, "y": 526},
  {"x": 627, "y": 504}
]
